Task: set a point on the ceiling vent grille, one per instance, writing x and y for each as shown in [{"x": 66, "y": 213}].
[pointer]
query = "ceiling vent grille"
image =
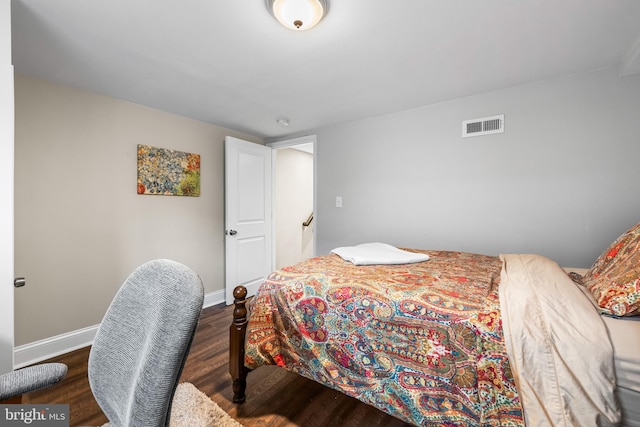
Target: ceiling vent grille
[{"x": 484, "y": 126}]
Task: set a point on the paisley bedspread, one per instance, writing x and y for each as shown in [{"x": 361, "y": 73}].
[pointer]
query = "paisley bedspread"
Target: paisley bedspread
[{"x": 422, "y": 342}]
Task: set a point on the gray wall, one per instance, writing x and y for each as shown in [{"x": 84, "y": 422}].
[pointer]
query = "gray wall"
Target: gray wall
[
  {"x": 563, "y": 179},
  {"x": 81, "y": 228}
]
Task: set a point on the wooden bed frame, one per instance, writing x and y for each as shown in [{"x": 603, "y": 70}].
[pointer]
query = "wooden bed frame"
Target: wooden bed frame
[{"x": 237, "y": 333}]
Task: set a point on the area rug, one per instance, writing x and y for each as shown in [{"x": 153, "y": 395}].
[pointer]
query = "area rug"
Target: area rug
[{"x": 193, "y": 408}]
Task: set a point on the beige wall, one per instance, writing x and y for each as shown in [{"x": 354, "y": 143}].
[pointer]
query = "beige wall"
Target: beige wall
[
  {"x": 294, "y": 202},
  {"x": 80, "y": 226}
]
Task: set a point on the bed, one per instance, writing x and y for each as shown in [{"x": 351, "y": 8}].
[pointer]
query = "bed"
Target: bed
[
  {"x": 624, "y": 333},
  {"x": 457, "y": 339}
]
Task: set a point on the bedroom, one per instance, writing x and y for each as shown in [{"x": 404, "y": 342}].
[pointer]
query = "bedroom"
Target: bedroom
[{"x": 562, "y": 181}]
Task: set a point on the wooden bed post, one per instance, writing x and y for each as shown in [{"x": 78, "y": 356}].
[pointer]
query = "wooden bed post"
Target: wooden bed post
[{"x": 237, "y": 333}]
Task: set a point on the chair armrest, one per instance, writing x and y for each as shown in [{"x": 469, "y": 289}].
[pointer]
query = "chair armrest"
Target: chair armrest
[{"x": 31, "y": 378}]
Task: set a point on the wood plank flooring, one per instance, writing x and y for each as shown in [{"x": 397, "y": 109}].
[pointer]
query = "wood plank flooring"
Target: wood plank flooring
[{"x": 275, "y": 397}]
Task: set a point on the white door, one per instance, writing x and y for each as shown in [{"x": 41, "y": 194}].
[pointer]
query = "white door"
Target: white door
[
  {"x": 248, "y": 216},
  {"x": 6, "y": 190}
]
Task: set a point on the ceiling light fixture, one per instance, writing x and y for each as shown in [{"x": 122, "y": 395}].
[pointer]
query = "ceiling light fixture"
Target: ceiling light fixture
[{"x": 298, "y": 15}]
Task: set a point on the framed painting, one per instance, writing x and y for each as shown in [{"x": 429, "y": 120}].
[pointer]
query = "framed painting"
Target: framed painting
[{"x": 168, "y": 172}]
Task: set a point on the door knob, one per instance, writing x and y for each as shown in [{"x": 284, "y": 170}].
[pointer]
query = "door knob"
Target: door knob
[
  {"x": 19, "y": 282},
  {"x": 232, "y": 232}
]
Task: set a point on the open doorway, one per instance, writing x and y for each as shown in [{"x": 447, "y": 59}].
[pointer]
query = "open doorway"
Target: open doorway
[{"x": 293, "y": 200}]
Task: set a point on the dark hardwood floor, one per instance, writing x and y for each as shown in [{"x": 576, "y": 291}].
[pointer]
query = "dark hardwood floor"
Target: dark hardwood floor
[{"x": 275, "y": 397}]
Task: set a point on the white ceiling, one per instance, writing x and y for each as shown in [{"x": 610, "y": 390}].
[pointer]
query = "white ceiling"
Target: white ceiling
[{"x": 230, "y": 63}]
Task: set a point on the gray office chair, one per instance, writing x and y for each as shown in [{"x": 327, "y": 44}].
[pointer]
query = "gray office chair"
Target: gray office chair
[
  {"x": 142, "y": 344},
  {"x": 16, "y": 383}
]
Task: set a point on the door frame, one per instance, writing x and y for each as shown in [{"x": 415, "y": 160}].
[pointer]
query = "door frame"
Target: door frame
[
  {"x": 7, "y": 150},
  {"x": 288, "y": 143}
]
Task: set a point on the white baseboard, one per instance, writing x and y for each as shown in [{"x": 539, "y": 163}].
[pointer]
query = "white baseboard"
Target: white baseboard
[
  {"x": 38, "y": 351},
  {"x": 47, "y": 348},
  {"x": 213, "y": 298}
]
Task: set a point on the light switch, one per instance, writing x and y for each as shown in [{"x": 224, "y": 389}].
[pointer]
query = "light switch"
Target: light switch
[{"x": 338, "y": 201}]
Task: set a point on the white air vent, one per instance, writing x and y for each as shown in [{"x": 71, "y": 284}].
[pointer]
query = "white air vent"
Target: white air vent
[{"x": 485, "y": 126}]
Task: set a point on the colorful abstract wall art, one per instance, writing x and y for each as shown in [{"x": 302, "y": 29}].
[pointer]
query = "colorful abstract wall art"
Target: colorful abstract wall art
[{"x": 168, "y": 172}]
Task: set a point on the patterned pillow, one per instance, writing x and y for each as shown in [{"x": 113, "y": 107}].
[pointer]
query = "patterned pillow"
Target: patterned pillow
[{"x": 614, "y": 279}]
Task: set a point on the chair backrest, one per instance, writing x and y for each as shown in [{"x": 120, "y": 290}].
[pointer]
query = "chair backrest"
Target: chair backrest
[{"x": 141, "y": 345}]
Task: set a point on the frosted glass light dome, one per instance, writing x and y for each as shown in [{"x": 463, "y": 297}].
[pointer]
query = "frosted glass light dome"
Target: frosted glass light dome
[{"x": 298, "y": 15}]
